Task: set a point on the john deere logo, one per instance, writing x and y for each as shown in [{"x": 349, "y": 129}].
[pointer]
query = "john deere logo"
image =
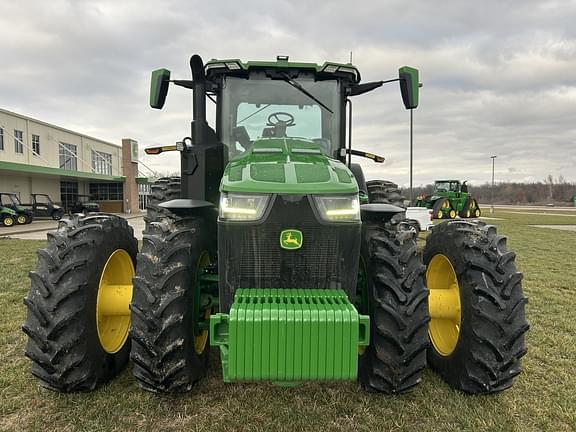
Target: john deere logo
[{"x": 291, "y": 239}]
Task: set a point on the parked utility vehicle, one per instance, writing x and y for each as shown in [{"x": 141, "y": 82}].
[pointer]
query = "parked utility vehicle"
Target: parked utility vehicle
[
  {"x": 84, "y": 204},
  {"x": 42, "y": 206},
  {"x": 23, "y": 215}
]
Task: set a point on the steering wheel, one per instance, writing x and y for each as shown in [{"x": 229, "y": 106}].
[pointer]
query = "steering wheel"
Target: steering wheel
[{"x": 275, "y": 118}]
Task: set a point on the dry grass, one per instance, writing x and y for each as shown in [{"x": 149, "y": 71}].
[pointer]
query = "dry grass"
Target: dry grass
[{"x": 543, "y": 398}]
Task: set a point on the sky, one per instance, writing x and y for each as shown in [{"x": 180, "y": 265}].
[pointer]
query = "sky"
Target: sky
[{"x": 499, "y": 77}]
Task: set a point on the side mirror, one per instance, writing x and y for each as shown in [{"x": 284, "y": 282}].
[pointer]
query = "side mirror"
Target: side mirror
[
  {"x": 409, "y": 86},
  {"x": 159, "y": 87}
]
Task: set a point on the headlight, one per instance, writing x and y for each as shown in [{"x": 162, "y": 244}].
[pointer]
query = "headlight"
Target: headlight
[
  {"x": 338, "y": 208},
  {"x": 242, "y": 207}
]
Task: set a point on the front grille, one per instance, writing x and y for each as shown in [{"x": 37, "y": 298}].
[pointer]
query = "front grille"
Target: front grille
[{"x": 250, "y": 256}]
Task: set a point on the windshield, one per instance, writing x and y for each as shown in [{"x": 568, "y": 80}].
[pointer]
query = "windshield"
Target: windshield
[
  {"x": 43, "y": 199},
  {"x": 264, "y": 108},
  {"x": 9, "y": 199},
  {"x": 447, "y": 186}
]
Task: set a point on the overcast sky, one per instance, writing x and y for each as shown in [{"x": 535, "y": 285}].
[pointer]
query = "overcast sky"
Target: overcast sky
[{"x": 499, "y": 76}]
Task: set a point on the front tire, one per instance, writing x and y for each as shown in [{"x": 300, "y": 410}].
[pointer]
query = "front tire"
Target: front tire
[
  {"x": 8, "y": 221},
  {"x": 476, "y": 306},
  {"x": 396, "y": 300},
  {"x": 439, "y": 208},
  {"x": 169, "y": 353},
  {"x": 78, "y": 316}
]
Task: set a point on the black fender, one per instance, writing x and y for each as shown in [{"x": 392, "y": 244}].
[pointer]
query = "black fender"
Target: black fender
[{"x": 381, "y": 212}]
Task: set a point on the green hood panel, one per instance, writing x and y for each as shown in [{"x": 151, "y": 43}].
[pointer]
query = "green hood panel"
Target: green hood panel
[{"x": 287, "y": 165}]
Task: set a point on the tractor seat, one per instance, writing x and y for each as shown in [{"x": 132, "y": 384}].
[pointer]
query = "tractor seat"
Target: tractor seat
[{"x": 268, "y": 132}]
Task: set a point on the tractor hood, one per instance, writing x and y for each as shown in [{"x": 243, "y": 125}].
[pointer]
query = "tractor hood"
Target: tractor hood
[{"x": 288, "y": 166}]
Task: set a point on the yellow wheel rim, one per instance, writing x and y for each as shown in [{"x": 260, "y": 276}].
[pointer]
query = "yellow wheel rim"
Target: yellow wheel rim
[
  {"x": 440, "y": 215},
  {"x": 21, "y": 220},
  {"x": 201, "y": 339},
  {"x": 477, "y": 213},
  {"x": 8, "y": 222},
  {"x": 112, "y": 303},
  {"x": 443, "y": 305},
  {"x": 452, "y": 214}
]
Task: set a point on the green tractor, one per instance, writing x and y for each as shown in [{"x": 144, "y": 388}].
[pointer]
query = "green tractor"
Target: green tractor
[
  {"x": 450, "y": 199},
  {"x": 268, "y": 249}
]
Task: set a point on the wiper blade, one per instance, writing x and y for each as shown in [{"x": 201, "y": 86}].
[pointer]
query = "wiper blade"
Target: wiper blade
[
  {"x": 299, "y": 87},
  {"x": 253, "y": 114}
]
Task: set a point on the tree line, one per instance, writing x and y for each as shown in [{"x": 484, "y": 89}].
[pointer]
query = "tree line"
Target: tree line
[{"x": 551, "y": 190}]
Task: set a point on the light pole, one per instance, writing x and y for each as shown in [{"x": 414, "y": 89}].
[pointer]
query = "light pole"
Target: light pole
[{"x": 492, "y": 201}]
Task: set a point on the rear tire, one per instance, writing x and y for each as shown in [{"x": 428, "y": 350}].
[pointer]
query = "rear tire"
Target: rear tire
[
  {"x": 398, "y": 308},
  {"x": 23, "y": 219},
  {"x": 489, "y": 344},
  {"x": 164, "y": 189},
  {"x": 466, "y": 212},
  {"x": 165, "y": 291},
  {"x": 384, "y": 191},
  {"x": 63, "y": 342}
]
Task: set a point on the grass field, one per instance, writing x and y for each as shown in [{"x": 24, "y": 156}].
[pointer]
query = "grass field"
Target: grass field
[{"x": 543, "y": 397}]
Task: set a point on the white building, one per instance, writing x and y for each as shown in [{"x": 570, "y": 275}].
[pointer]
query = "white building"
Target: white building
[{"x": 37, "y": 157}]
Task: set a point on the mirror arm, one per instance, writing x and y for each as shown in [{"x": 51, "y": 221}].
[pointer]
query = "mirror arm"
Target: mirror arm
[
  {"x": 354, "y": 152},
  {"x": 189, "y": 84}
]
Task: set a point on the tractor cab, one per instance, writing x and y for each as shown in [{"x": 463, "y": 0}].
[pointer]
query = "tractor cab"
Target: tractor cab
[
  {"x": 447, "y": 186},
  {"x": 282, "y": 99}
]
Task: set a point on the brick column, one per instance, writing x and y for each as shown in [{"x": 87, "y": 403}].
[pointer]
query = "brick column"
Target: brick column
[{"x": 130, "y": 171}]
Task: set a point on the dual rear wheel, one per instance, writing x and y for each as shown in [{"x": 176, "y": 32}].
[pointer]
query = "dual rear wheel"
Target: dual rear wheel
[
  {"x": 467, "y": 321},
  {"x": 78, "y": 317}
]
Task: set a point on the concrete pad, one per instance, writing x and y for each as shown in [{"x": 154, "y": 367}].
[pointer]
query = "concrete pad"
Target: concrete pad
[
  {"x": 37, "y": 230},
  {"x": 540, "y": 213},
  {"x": 557, "y": 227}
]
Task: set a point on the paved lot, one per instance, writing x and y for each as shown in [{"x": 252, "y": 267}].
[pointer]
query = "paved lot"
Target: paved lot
[
  {"x": 37, "y": 230},
  {"x": 558, "y": 227}
]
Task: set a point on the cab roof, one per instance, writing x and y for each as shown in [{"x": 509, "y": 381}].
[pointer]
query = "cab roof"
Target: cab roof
[{"x": 326, "y": 70}]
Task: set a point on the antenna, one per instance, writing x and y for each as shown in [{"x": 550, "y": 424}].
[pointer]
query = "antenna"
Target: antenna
[{"x": 350, "y": 57}]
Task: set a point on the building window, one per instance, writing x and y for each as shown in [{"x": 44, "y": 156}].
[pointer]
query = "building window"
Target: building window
[
  {"x": 1, "y": 139},
  {"x": 68, "y": 194},
  {"x": 18, "y": 144},
  {"x": 107, "y": 191},
  {"x": 143, "y": 195},
  {"x": 101, "y": 163},
  {"x": 68, "y": 157},
  {"x": 36, "y": 144}
]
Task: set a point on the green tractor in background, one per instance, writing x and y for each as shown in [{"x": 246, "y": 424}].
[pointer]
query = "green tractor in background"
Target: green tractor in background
[
  {"x": 450, "y": 199},
  {"x": 270, "y": 249}
]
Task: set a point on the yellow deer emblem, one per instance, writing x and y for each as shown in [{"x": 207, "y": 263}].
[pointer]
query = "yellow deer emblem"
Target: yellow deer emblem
[{"x": 291, "y": 239}]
